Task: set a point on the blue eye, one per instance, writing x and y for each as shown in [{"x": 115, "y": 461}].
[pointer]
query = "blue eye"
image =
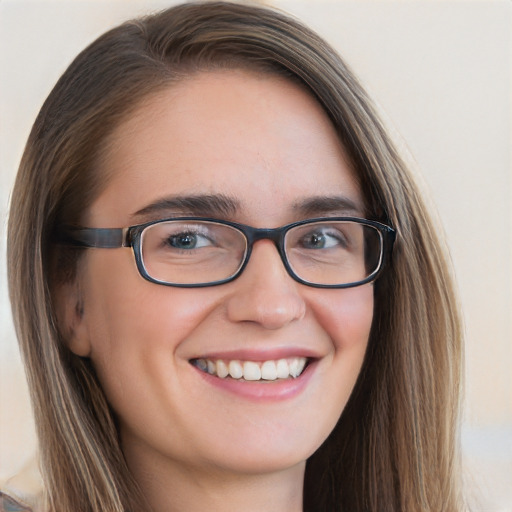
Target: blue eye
[
  {"x": 188, "y": 241},
  {"x": 322, "y": 240}
]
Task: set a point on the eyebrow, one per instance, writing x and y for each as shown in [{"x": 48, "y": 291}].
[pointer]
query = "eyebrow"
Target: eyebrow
[
  {"x": 222, "y": 206},
  {"x": 196, "y": 205},
  {"x": 328, "y": 205}
]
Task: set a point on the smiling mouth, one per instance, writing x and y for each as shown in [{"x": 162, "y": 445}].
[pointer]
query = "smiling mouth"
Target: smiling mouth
[{"x": 272, "y": 370}]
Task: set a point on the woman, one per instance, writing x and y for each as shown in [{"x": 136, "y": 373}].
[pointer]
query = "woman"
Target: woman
[{"x": 226, "y": 287}]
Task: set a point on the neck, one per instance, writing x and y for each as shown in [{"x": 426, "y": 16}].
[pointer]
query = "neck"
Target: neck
[
  {"x": 174, "y": 486},
  {"x": 187, "y": 489}
]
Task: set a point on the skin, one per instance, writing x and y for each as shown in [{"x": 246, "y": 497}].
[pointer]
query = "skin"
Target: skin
[{"x": 267, "y": 144}]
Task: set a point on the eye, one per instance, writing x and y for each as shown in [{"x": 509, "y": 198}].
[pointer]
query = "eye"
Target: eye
[
  {"x": 323, "y": 239},
  {"x": 188, "y": 240}
]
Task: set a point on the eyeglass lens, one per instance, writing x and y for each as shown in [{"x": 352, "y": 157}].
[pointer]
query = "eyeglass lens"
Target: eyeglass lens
[{"x": 195, "y": 252}]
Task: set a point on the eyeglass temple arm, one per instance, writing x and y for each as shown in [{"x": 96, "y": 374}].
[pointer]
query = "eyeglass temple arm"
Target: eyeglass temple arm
[
  {"x": 390, "y": 235},
  {"x": 103, "y": 238}
]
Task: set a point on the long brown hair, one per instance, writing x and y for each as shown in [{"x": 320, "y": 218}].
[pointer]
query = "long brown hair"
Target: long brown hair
[{"x": 395, "y": 445}]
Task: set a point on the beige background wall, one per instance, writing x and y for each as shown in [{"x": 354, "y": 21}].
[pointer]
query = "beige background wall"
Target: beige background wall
[{"x": 440, "y": 72}]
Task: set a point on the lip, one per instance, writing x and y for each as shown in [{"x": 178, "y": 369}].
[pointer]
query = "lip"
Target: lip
[
  {"x": 259, "y": 356},
  {"x": 276, "y": 390}
]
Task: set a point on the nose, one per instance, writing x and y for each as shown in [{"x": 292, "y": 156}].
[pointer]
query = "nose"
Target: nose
[{"x": 265, "y": 294}]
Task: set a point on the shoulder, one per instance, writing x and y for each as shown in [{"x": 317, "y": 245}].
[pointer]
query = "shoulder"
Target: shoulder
[
  {"x": 9, "y": 504},
  {"x": 24, "y": 491}
]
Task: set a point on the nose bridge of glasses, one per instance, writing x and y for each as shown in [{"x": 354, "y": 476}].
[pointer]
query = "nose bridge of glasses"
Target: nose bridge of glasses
[
  {"x": 256, "y": 234},
  {"x": 275, "y": 235}
]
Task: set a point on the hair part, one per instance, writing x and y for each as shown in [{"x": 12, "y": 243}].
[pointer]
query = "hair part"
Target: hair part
[{"x": 395, "y": 445}]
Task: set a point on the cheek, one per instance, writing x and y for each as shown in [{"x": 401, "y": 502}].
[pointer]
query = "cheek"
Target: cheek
[
  {"x": 346, "y": 315},
  {"x": 133, "y": 324},
  {"x": 119, "y": 300}
]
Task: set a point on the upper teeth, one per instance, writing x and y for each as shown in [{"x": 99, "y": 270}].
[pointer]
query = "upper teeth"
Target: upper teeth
[{"x": 251, "y": 370}]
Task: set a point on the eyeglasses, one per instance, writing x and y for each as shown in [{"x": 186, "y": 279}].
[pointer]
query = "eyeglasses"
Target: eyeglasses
[{"x": 339, "y": 252}]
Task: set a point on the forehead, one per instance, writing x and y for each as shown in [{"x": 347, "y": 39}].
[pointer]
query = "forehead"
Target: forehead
[{"x": 258, "y": 139}]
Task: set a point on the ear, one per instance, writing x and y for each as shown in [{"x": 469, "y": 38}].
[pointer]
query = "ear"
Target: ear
[{"x": 71, "y": 318}]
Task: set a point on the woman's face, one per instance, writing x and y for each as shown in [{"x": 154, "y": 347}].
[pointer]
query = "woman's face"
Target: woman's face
[{"x": 265, "y": 145}]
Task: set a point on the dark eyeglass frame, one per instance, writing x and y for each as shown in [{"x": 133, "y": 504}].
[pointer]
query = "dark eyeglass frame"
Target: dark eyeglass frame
[{"x": 113, "y": 238}]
